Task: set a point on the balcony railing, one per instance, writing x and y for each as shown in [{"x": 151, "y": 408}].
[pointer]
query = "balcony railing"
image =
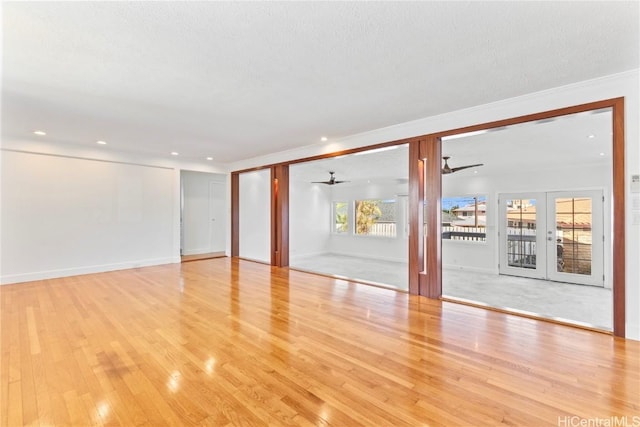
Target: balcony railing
[
  {"x": 521, "y": 248},
  {"x": 382, "y": 229},
  {"x": 476, "y": 234}
]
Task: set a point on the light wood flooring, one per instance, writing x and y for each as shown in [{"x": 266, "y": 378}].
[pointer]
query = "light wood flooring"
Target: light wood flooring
[
  {"x": 199, "y": 257},
  {"x": 229, "y": 342}
]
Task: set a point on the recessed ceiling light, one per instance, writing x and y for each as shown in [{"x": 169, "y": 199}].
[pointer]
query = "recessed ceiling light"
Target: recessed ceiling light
[
  {"x": 475, "y": 171},
  {"x": 591, "y": 136},
  {"x": 324, "y": 139},
  {"x": 40, "y": 132},
  {"x": 602, "y": 154},
  {"x": 174, "y": 153},
  {"x": 101, "y": 142},
  {"x": 209, "y": 158}
]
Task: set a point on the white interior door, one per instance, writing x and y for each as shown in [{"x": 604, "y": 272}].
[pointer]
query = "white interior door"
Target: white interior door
[
  {"x": 217, "y": 216},
  {"x": 555, "y": 236}
]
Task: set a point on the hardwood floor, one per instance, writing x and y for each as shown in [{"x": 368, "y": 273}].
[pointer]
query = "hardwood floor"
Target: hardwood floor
[
  {"x": 199, "y": 257},
  {"x": 230, "y": 342}
]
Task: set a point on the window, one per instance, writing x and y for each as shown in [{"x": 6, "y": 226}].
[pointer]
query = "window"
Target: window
[
  {"x": 376, "y": 218},
  {"x": 464, "y": 218},
  {"x": 340, "y": 217}
]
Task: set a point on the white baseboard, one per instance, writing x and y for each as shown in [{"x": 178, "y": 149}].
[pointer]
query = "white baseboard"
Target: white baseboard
[
  {"x": 76, "y": 271},
  {"x": 200, "y": 251},
  {"x": 632, "y": 332},
  {"x": 255, "y": 260}
]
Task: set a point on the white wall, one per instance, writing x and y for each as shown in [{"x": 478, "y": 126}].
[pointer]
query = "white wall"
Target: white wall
[
  {"x": 197, "y": 213},
  {"x": 255, "y": 215},
  {"x": 309, "y": 218},
  {"x": 619, "y": 85},
  {"x": 65, "y": 216}
]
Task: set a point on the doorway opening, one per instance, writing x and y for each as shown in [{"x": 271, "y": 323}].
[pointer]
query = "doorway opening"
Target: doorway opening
[
  {"x": 532, "y": 229},
  {"x": 203, "y": 214}
]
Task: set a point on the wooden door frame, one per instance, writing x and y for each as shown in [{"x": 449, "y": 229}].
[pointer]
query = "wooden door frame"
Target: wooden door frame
[
  {"x": 280, "y": 215},
  {"x": 425, "y": 257},
  {"x": 618, "y": 218}
]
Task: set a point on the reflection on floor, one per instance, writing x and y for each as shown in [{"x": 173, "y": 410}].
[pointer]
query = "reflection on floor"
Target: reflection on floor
[{"x": 577, "y": 303}]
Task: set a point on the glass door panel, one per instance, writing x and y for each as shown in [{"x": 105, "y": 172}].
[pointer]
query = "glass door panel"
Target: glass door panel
[
  {"x": 522, "y": 235},
  {"x": 576, "y": 237}
]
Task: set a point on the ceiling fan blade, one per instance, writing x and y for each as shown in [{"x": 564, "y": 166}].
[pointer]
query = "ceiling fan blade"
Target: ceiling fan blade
[
  {"x": 465, "y": 167},
  {"x": 332, "y": 180}
]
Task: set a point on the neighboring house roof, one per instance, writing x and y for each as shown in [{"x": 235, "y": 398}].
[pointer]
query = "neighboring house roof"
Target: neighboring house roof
[
  {"x": 482, "y": 207},
  {"x": 569, "y": 212}
]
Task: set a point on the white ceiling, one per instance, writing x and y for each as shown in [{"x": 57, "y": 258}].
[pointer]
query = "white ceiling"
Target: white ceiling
[
  {"x": 578, "y": 140},
  {"x": 234, "y": 80}
]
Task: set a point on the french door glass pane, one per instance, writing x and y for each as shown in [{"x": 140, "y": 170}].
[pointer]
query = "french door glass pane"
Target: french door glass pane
[
  {"x": 521, "y": 233},
  {"x": 574, "y": 234}
]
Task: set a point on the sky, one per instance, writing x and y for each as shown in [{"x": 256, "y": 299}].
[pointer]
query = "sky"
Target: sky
[{"x": 449, "y": 202}]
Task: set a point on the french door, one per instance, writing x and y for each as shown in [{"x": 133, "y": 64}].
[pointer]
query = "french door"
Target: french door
[{"x": 555, "y": 236}]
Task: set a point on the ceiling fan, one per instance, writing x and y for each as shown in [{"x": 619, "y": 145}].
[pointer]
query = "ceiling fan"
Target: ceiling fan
[
  {"x": 332, "y": 180},
  {"x": 446, "y": 169}
]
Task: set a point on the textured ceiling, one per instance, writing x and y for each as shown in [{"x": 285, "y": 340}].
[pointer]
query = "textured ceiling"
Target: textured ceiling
[{"x": 234, "y": 80}]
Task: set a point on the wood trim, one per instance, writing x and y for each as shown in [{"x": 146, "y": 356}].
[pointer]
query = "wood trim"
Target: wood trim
[
  {"x": 619, "y": 261},
  {"x": 618, "y": 249},
  {"x": 275, "y": 220},
  {"x": 333, "y": 154},
  {"x": 431, "y": 151},
  {"x": 280, "y": 216},
  {"x": 284, "y": 216},
  {"x": 416, "y": 199},
  {"x": 482, "y": 126},
  {"x": 235, "y": 214},
  {"x": 607, "y": 103}
]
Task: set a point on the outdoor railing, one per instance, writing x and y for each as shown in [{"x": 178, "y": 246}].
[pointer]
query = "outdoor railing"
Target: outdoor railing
[
  {"x": 477, "y": 234},
  {"x": 383, "y": 229},
  {"x": 521, "y": 248}
]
